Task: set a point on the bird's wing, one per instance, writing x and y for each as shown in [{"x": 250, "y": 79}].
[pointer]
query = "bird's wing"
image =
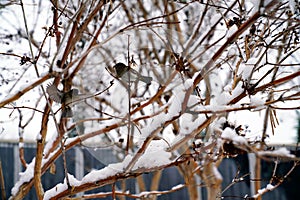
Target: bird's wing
[
  {"x": 54, "y": 93},
  {"x": 137, "y": 76}
]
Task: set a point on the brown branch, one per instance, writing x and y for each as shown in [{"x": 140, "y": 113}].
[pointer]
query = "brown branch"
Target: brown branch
[
  {"x": 110, "y": 180},
  {"x": 210, "y": 64},
  {"x": 24, "y": 107},
  {"x": 94, "y": 42},
  {"x": 146, "y": 21},
  {"x": 196, "y": 131},
  {"x": 261, "y": 192},
  {"x": 274, "y": 83},
  {"x": 25, "y": 90},
  {"x": 144, "y": 194},
  {"x": 71, "y": 37},
  {"x": 3, "y": 193}
]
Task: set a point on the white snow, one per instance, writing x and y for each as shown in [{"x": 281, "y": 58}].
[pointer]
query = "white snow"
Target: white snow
[
  {"x": 28, "y": 174},
  {"x": 110, "y": 170},
  {"x": 21, "y": 144},
  {"x": 228, "y": 88},
  {"x": 154, "y": 156},
  {"x": 216, "y": 172},
  {"x": 270, "y": 187},
  {"x": 38, "y": 136},
  {"x": 231, "y": 135},
  {"x": 245, "y": 70},
  {"x": 153, "y": 125},
  {"x": 25, "y": 176},
  {"x": 231, "y": 31},
  {"x": 256, "y": 101},
  {"x": 261, "y": 191},
  {"x": 179, "y": 186},
  {"x": 193, "y": 100},
  {"x": 223, "y": 98},
  {"x": 61, "y": 187},
  {"x": 256, "y": 4},
  {"x": 237, "y": 90},
  {"x": 252, "y": 61},
  {"x": 282, "y": 152}
]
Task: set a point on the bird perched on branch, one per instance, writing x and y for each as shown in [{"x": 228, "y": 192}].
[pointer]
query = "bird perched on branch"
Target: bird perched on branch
[
  {"x": 64, "y": 98},
  {"x": 128, "y": 74}
]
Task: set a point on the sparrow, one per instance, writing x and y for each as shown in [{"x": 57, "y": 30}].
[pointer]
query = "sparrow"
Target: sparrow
[
  {"x": 64, "y": 98},
  {"x": 128, "y": 74}
]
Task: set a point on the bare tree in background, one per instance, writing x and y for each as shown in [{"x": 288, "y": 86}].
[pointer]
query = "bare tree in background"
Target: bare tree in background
[{"x": 208, "y": 60}]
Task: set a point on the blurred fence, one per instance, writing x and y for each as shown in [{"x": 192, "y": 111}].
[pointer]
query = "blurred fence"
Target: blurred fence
[{"x": 80, "y": 162}]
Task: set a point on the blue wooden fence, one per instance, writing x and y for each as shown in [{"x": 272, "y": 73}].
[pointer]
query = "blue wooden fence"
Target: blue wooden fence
[{"x": 80, "y": 162}]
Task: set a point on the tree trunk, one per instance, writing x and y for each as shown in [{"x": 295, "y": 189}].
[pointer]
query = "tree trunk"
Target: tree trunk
[{"x": 213, "y": 180}]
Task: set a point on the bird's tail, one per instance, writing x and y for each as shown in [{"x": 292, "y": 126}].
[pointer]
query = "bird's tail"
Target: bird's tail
[{"x": 146, "y": 79}]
